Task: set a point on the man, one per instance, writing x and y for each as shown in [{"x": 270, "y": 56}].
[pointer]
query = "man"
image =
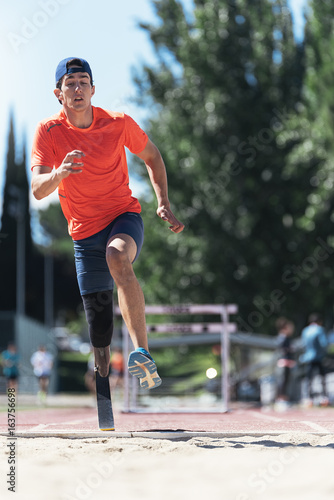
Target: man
[
  {"x": 42, "y": 362},
  {"x": 315, "y": 347},
  {"x": 85, "y": 144},
  {"x": 10, "y": 361},
  {"x": 117, "y": 368},
  {"x": 285, "y": 362}
]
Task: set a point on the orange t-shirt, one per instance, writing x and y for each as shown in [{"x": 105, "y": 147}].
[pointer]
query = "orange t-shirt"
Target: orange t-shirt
[{"x": 100, "y": 193}]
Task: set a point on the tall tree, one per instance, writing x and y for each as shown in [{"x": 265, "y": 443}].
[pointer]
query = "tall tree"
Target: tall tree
[
  {"x": 308, "y": 133},
  {"x": 228, "y": 78},
  {"x": 15, "y": 207},
  {"x": 67, "y": 300},
  {"x": 15, "y": 223}
]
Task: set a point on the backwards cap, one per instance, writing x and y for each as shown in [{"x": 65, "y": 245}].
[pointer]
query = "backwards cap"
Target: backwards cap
[{"x": 63, "y": 69}]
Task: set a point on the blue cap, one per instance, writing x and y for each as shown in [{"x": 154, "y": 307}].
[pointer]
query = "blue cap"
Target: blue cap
[{"x": 62, "y": 68}]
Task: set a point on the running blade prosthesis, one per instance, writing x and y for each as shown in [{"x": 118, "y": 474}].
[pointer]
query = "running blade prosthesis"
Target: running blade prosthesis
[{"x": 104, "y": 407}]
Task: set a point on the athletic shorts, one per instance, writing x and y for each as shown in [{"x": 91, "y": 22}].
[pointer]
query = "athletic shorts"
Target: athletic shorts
[{"x": 93, "y": 274}]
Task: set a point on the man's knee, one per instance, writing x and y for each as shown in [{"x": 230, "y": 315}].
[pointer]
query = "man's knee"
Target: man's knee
[
  {"x": 116, "y": 256},
  {"x": 119, "y": 264},
  {"x": 120, "y": 253},
  {"x": 99, "y": 314}
]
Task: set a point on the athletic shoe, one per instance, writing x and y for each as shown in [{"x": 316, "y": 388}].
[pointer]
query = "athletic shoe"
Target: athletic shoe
[{"x": 142, "y": 365}]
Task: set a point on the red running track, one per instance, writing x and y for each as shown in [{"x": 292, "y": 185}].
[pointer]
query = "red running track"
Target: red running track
[{"x": 60, "y": 421}]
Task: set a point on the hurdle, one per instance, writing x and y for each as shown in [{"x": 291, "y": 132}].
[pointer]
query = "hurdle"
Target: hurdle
[{"x": 224, "y": 327}]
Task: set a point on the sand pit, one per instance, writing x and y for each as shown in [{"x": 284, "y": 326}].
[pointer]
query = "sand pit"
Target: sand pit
[{"x": 289, "y": 466}]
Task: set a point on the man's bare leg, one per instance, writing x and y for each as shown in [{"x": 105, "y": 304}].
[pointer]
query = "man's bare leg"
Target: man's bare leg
[{"x": 121, "y": 251}]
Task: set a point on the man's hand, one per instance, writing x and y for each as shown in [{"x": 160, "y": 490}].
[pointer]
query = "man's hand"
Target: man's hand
[
  {"x": 45, "y": 180},
  {"x": 165, "y": 213},
  {"x": 69, "y": 165}
]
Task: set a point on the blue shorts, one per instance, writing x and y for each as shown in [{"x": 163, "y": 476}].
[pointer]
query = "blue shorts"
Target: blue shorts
[{"x": 90, "y": 253}]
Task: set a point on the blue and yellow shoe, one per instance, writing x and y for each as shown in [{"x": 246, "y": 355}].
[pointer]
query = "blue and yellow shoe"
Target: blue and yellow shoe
[{"x": 142, "y": 365}]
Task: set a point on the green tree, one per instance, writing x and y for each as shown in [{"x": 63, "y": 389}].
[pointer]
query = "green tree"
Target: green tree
[
  {"x": 308, "y": 134},
  {"x": 67, "y": 300},
  {"x": 54, "y": 226},
  {"x": 16, "y": 205},
  {"x": 228, "y": 77}
]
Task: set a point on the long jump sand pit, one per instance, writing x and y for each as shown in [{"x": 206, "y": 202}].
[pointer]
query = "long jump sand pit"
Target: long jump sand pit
[
  {"x": 243, "y": 455},
  {"x": 289, "y": 466}
]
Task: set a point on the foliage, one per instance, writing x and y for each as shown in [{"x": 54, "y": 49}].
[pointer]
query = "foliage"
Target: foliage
[
  {"x": 16, "y": 209},
  {"x": 54, "y": 225},
  {"x": 243, "y": 117},
  {"x": 183, "y": 369},
  {"x": 15, "y": 204},
  {"x": 308, "y": 134},
  {"x": 226, "y": 82}
]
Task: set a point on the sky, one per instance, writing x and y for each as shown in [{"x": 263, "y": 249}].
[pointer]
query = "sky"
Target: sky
[
  {"x": 297, "y": 8},
  {"x": 37, "y": 34}
]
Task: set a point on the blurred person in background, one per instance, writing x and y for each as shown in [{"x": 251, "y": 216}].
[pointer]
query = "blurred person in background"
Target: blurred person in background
[
  {"x": 42, "y": 362},
  {"x": 286, "y": 361},
  {"x": 10, "y": 363},
  {"x": 315, "y": 344},
  {"x": 117, "y": 368}
]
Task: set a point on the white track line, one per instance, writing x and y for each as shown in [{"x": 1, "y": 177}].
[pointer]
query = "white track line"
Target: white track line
[
  {"x": 314, "y": 426},
  {"x": 264, "y": 416},
  {"x": 39, "y": 427},
  {"x": 310, "y": 424}
]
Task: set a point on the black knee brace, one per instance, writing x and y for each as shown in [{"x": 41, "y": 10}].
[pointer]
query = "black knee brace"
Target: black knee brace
[{"x": 99, "y": 314}]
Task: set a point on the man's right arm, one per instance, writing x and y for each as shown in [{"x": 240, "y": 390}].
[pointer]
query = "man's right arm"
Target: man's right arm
[{"x": 45, "y": 180}]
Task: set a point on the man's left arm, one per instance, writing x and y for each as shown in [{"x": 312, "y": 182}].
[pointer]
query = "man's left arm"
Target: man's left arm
[{"x": 158, "y": 177}]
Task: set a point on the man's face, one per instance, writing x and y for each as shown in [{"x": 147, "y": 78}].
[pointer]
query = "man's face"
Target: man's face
[{"x": 76, "y": 91}]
